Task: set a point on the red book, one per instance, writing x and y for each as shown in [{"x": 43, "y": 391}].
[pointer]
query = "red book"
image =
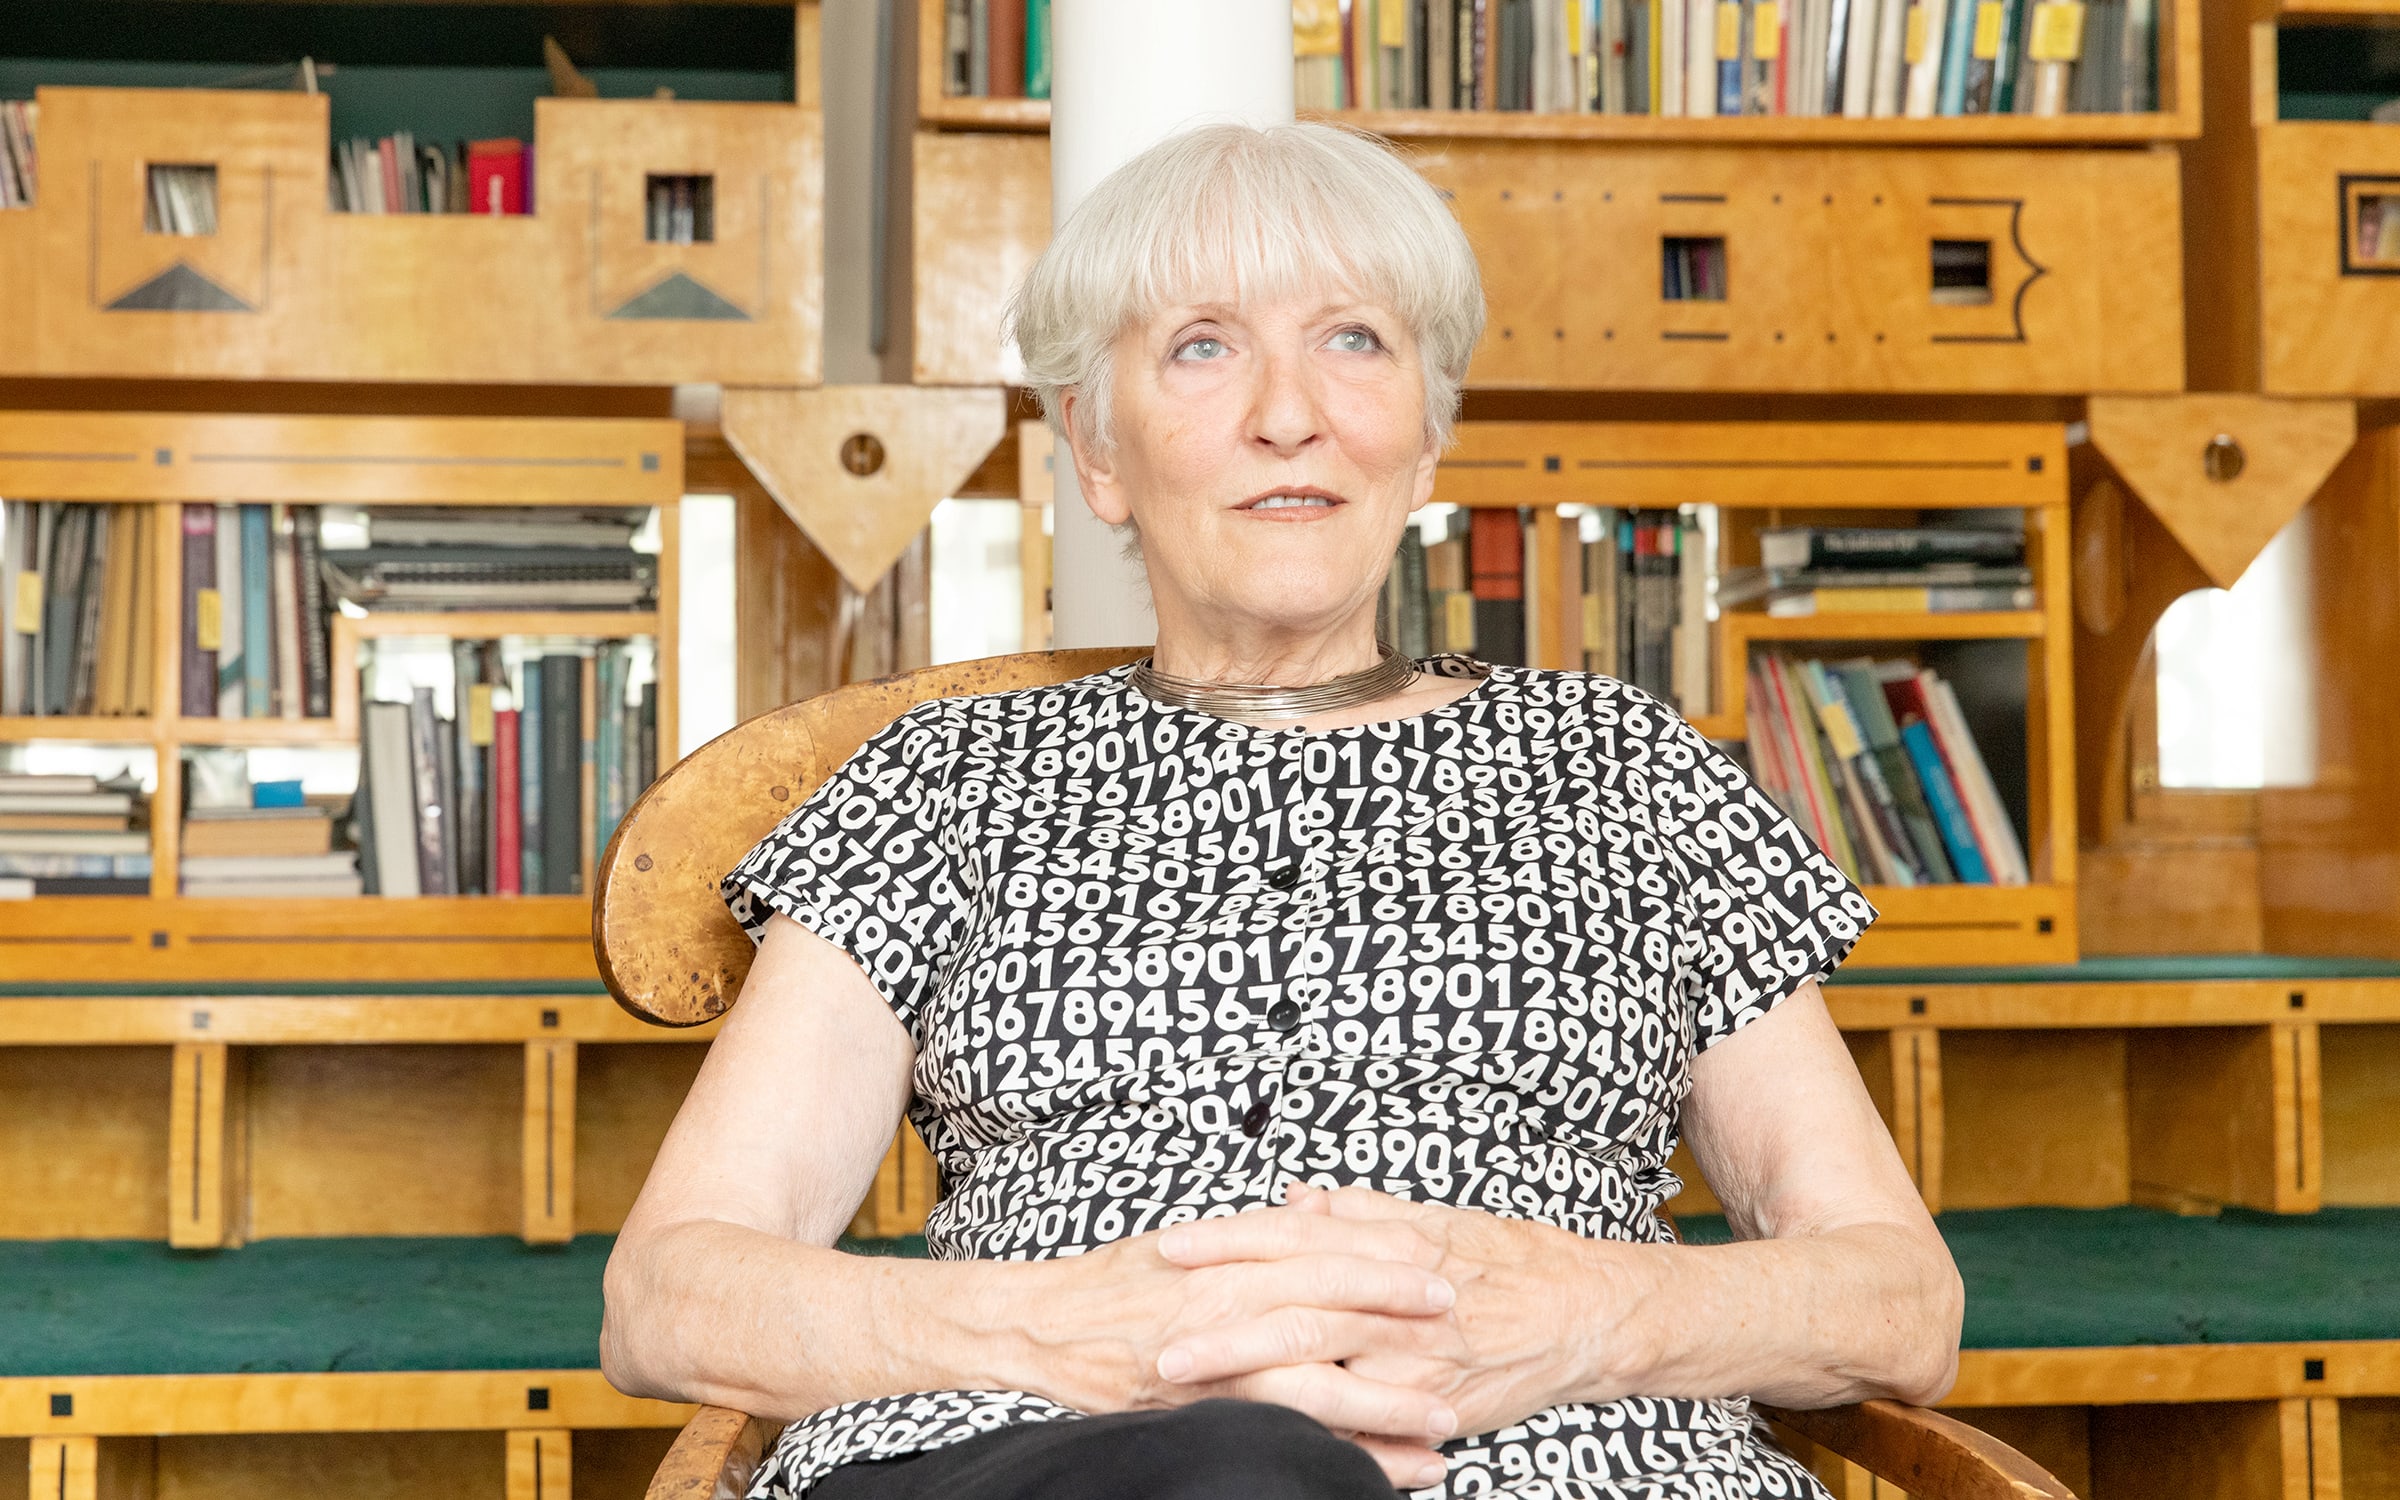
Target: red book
[
  {"x": 1008, "y": 49},
  {"x": 507, "y": 818},
  {"x": 387, "y": 158},
  {"x": 496, "y": 177},
  {"x": 1496, "y": 577}
]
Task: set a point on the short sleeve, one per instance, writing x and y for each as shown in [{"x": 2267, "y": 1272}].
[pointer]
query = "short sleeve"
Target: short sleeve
[
  {"x": 869, "y": 863},
  {"x": 1763, "y": 909}
]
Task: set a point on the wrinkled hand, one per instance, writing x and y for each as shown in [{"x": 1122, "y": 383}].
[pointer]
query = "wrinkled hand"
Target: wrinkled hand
[
  {"x": 1496, "y": 1356},
  {"x": 1112, "y": 1321}
]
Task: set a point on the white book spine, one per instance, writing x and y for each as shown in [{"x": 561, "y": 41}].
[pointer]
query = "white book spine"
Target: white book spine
[
  {"x": 1925, "y": 73},
  {"x": 1669, "y": 16},
  {"x": 1700, "y": 59},
  {"x": 1891, "y": 58},
  {"x": 391, "y": 792},
  {"x": 1858, "y": 59}
]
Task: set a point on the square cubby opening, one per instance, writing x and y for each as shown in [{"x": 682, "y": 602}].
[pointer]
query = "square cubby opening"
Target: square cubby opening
[
  {"x": 1962, "y": 273},
  {"x": 680, "y": 209},
  {"x": 1692, "y": 268},
  {"x": 181, "y": 198}
]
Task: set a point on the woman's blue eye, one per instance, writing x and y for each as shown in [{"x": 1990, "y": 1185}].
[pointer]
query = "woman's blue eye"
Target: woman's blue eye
[
  {"x": 1214, "y": 346},
  {"x": 1367, "y": 334}
]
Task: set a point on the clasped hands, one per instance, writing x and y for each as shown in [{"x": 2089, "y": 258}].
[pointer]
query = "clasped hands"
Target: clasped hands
[{"x": 1396, "y": 1324}]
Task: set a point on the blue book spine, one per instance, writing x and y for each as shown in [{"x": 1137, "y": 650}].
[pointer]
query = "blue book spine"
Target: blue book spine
[
  {"x": 529, "y": 780},
  {"x": 1949, "y": 814},
  {"x": 1729, "y": 69},
  {"x": 1958, "y": 48},
  {"x": 258, "y": 616}
]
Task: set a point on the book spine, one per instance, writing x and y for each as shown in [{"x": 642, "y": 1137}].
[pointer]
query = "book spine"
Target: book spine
[
  {"x": 1008, "y": 49},
  {"x": 201, "y": 613},
  {"x": 98, "y": 550},
  {"x": 588, "y": 771},
  {"x": 231, "y": 686},
  {"x": 391, "y": 780},
  {"x": 1037, "y": 49},
  {"x": 286, "y": 601},
  {"x": 609, "y": 757},
  {"x": 2002, "y": 849},
  {"x": 315, "y": 629},
  {"x": 425, "y": 787},
  {"x": 1496, "y": 579},
  {"x": 531, "y": 752},
  {"x": 506, "y": 808},
  {"x": 649, "y": 742},
  {"x": 1958, "y": 45},
  {"x": 562, "y": 774},
  {"x": 470, "y": 733},
  {"x": 17, "y": 519},
  {"x": 258, "y": 618},
  {"x": 1949, "y": 814},
  {"x": 1799, "y": 726}
]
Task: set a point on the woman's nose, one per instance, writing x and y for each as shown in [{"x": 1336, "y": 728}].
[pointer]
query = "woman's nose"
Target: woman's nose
[{"x": 1285, "y": 412}]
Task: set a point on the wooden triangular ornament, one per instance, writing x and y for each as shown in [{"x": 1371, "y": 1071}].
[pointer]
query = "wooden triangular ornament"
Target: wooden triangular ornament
[
  {"x": 2223, "y": 473},
  {"x": 859, "y": 468}
]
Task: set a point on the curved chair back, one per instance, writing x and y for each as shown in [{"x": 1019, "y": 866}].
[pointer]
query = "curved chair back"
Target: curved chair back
[{"x": 668, "y": 949}]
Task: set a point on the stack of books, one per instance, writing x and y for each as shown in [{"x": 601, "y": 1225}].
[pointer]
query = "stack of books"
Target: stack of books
[
  {"x": 996, "y": 49},
  {"x": 72, "y": 836},
  {"x": 257, "y": 640},
  {"x": 1874, "y": 761},
  {"x": 18, "y": 179},
  {"x": 396, "y": 174},
  {"x": 1858, "y": 58},
  {"x": 79, "y": 636},
  {"x": 515, "y": 791},
  {"x": 181, "y": 200},
  {"x": 490, "y": 557},
  {"x": 1639, "y": 578},
  {"x": 1823, "y": 570},
  {"x": 268, "y": 851}
]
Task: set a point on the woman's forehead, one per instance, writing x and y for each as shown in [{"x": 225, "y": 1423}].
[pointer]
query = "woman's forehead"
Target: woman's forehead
[{"x": 1308, "y": 303}]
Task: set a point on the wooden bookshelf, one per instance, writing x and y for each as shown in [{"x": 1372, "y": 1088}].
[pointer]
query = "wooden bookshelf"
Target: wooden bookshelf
[
  {"x": 2284, "y": 303},
  {"x": 1829, "y": 250},
  {"x": 1785, "y": 473},
  {"x": 2177, "y": 118},
  {"x": 572, "y": 293},
  {"x": 167, "y": 458}
]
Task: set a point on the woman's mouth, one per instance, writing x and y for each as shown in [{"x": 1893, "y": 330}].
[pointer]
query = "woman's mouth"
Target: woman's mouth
[{"x": 1295, "y": 504}]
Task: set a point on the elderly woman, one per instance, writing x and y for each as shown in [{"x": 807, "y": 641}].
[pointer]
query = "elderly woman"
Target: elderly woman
[{"x": 1302, "y": 1031}]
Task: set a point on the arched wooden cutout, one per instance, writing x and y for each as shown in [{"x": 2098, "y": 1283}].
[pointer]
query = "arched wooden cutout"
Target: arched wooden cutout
[
  {"x": 2159, "y": 444},
  {"x": 2130, "y": 569},
  {"x": 668, "y": 949},
  {"x": 861, "y": 467}
]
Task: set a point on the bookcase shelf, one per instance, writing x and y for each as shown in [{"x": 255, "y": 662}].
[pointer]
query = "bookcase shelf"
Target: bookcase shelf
[
  {"x": 1773, "y": 474},
  {"x": 2296, "y": 306},
  {"x": 168, "y": 937},
  {"x": 1829, "y": 250},
  {"x": 2177, "y": 118},
  {"x": 286, "y": 289}
]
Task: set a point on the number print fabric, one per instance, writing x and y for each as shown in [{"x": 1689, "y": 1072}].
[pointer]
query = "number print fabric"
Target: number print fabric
[{"x": 1157, "y": 964}]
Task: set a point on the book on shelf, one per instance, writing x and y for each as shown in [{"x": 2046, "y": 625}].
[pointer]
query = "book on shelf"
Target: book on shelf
[
  {"x": 531, "y": 557},
  {"x": 254, "y": 616},
  {"x": 398, "y": 174},
  {"x": 1693, "y": 58},
  {"x": 1875, "y": 763},
  {"x": 73, "y": 835},
  {"x": 19, "y": 174},
  {"x": 517, "y": 787},
  {"x": 80, "y": 636},
  {"x": 1863, "y": 547},
  {"x": 998, "y": 49}
]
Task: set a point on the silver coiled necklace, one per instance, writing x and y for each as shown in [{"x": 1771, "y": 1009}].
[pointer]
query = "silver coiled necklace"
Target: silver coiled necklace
[{"x": 1260, "y": 703}]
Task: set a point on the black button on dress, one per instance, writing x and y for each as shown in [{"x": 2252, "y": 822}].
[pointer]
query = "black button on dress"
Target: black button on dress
[{"x": 1527, "y": 911}]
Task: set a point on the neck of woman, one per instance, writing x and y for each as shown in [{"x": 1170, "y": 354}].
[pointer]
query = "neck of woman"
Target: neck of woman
[{"x": 1266, "y": 656}]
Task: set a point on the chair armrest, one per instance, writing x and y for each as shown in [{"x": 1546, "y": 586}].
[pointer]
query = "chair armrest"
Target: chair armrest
[
  {"x": 713, "y": 1457},
  {"x": 1930, "y": 1456}
]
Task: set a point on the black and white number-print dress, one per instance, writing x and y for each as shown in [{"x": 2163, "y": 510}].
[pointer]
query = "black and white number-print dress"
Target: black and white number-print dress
[{"x": 1158, "y": 964}]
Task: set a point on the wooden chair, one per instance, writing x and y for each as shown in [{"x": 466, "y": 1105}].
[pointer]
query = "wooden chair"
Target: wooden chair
[{"x": 671, "y": 954}]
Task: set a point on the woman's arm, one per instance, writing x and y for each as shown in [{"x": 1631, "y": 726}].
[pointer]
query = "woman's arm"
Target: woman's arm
[
  {"x": 1840, "y": 1289},
  {"x": 723, "y": 1288}
]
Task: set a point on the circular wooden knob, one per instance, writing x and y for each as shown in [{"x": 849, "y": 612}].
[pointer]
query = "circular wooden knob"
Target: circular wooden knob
[{"x": 2223, "y": 459}]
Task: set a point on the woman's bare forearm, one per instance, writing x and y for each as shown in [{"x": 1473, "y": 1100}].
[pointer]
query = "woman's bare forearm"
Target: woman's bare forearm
[
  {"x": 725, "y": 1315},
  {"x": 1861, "y": 1311}
]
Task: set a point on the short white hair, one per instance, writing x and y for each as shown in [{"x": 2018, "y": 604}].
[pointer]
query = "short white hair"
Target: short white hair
[{"x": 1259, "y": 214}]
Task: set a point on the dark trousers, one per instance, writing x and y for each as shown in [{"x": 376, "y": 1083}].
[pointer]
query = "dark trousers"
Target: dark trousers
[{"x": 1218, "y": 1449}]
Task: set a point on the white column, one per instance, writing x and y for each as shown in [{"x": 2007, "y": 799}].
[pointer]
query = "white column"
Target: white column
[{"x": 1125, "y": 74}]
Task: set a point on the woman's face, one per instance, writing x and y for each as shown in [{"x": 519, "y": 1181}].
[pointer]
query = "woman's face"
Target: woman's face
[{"x": 1270, "y": 453}]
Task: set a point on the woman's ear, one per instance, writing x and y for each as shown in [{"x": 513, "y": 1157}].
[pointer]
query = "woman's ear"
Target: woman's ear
[{"x": 1096, "y": 477}]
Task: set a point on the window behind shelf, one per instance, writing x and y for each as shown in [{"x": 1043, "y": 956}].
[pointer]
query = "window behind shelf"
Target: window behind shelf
[{"x": 2233, "y": 710}]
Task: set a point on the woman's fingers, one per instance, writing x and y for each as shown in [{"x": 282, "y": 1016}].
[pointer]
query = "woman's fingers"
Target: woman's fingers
[
  {"x": 1292, "y": 1335},
  {"x": 1409, "y": 1466},
  {"x": 1411, "y": 1420},
  {"x": 1278, "y": 1233}
]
